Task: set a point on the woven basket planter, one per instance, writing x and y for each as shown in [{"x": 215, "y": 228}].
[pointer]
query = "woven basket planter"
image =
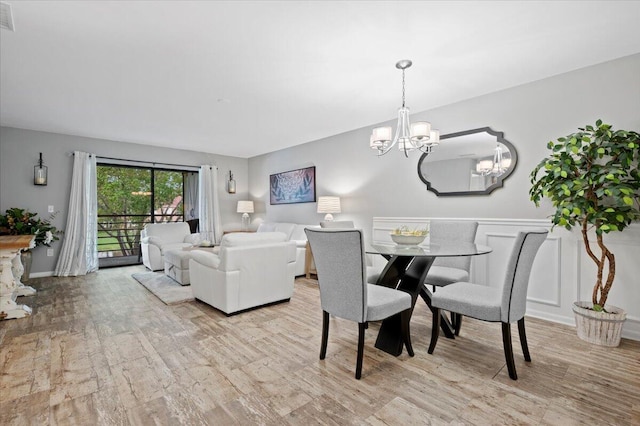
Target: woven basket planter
[{"x": 600, "y": 328}]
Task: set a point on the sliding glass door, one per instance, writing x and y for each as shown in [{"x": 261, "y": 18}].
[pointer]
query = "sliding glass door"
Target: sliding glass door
[
  {"x": 129, "y": 198},
  {"x": 168, "y": 195}
]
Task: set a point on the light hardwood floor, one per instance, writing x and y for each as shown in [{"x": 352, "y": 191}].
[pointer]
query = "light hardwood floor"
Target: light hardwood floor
[{"x": 101, "y": 349}]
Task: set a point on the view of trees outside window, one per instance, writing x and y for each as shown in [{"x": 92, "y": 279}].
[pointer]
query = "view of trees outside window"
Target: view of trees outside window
[
  {"x": 127, "y": 200},
  {"x": 168, "y": 206}
]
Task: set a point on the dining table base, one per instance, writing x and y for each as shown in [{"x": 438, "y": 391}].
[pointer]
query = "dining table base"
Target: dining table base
[
  {"x": 406, "y": 270},
  {"x": 407, "y": 274}
]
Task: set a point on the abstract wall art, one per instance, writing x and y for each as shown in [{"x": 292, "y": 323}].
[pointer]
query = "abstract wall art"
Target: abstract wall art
[{"x": 295, "y": 186}]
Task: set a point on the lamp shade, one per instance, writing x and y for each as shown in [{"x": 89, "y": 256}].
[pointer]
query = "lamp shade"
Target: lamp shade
[
  {"x": 329, "y": 205},
  {"x": 245, "y": 207},
  {"x": 484, "y": 166}
]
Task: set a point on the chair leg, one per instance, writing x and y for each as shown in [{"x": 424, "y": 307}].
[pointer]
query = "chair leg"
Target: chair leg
[
  {"x": 508, "y": 350},
  {"x": 361, "y": 328},
  {"x": 325, "y": 334},
  {"x": 523, "y": 340},
  {"x": 406, "y": 334},
  {"x": 435, "y": 329},
  {"x": 458, "y": 324}
]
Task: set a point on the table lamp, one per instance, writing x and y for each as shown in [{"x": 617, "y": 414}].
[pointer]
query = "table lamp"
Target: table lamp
[
  {"x": 245, "y": 207},
  {"x": 328, "y": 205}
]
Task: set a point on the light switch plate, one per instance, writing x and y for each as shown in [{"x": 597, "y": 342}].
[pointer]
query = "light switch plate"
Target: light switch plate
[
  {"x": 51, "y": 209},
  {"x": 49, "y": 252}
]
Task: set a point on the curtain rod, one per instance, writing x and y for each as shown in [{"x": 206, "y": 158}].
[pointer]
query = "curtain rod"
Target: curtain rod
[{"x": 141, "y": 161}]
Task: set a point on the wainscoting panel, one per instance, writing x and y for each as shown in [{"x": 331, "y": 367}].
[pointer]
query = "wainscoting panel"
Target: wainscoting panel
[{"x": 562, "y": 272}]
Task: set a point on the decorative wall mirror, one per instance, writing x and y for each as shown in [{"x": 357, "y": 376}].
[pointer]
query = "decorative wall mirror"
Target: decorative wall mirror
[{"x": 472, "y": 162}]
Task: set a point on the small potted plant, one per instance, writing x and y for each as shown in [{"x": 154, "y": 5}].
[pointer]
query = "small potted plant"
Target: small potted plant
[
  {"x": 593, "y": 182},
  {"x": 23, "y": 222}
]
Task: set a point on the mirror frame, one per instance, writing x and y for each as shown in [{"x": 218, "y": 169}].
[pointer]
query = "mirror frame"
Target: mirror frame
[{"x": 498, "y": 184}]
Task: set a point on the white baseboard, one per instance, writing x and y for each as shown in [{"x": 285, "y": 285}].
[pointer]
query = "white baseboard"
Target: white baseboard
[{"x": 41, "y": 274}]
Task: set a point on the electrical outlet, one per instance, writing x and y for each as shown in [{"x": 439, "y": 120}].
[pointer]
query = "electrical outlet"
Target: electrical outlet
[
  {"x": 49, "y": 252},
  {"x": 51, "y": 209}
]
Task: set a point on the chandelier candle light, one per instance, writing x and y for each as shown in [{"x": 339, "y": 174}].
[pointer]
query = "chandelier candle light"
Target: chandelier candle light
[
  {"x": 498, "y": 166},
  {"x": 245, "y": 207},
  {"x": 500, "y": 162},
  {"x": 408, "y": 137}
]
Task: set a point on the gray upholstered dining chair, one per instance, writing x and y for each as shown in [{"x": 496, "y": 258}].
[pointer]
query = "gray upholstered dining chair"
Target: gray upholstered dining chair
[
  {"x": 448, "y": 270},
  {"x": 506, "y": 304},
  {"x": 337, "y": 224},
  {"x": 349, "y": 224},
  {"x": 344, "y": 292}
]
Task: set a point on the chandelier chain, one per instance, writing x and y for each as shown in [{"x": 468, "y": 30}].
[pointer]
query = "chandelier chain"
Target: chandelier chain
[
  {"x": 409, "y": 136},
  {"x": 403, "y": 88}
]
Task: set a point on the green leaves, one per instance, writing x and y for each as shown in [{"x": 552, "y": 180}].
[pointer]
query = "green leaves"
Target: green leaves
[{"x": 591, "y": 175}]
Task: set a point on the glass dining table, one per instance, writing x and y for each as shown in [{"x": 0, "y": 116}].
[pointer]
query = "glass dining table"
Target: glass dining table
[{"x": 406, "y": 270}]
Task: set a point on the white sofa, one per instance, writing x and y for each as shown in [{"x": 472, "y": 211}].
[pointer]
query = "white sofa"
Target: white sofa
[
  {"x": 250, "y": 270},
  {"x": 158, "y": 238},
  {"x": 294, "y": 232}
]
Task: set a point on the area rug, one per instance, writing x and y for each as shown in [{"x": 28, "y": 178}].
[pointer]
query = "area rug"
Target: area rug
[{"x": 165, "y": 288}]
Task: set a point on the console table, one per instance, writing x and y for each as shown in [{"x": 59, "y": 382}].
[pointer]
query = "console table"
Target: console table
[{"x": 10, "y": 247}]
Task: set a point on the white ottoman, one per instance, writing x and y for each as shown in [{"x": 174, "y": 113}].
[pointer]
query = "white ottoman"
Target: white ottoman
[{"x": 176, "y": 265}]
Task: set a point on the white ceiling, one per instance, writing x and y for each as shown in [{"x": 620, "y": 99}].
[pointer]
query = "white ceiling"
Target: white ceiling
[{"x": 247, "y": 78}]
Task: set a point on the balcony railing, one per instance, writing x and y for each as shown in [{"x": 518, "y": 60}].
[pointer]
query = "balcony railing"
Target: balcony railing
[{"x": 119, "y": 237}]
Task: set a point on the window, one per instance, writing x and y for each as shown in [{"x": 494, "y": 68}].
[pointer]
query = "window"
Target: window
[{"x": 129, "y": 198}]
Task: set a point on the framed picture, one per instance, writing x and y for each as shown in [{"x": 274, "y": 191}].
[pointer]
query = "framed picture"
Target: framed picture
[{"x": 295, "y": 186}]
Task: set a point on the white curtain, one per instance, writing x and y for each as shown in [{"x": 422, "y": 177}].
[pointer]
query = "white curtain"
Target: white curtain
[
  {"x": 208, "y": 206},
  {"x": 79, "y": 254},
  {"x": 191, "y": 196}
]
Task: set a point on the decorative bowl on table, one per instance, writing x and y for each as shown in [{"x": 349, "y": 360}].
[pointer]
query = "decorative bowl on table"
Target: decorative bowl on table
[{"x": 404, "y": 237}]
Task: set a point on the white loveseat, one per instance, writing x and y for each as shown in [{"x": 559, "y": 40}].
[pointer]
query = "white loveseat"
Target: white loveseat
[
  {"x": 158, "y": 238},
  {"x": 250, "y": 270},
  {"x": 295, "y": 233}
]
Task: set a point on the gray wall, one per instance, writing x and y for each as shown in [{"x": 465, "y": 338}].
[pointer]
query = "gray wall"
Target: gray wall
[
  {"x": 19, "y": 153},
  {"x": 529, "y": 115}
]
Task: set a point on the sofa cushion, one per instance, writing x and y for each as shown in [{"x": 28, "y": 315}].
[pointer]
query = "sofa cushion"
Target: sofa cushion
[
  {"x": 267, "y": 227},
  {"x": 169, "y": 232},
  {"x": 173, "y": 246},
  {"x": 299, "y": 236},
  {"x": 240, "y": 239},
  {"x": 284, "y": 227},
  {"x": 205, "y": 258},
  {"x": 179, "y": 258},
  {"x": 193, "y": 239}
]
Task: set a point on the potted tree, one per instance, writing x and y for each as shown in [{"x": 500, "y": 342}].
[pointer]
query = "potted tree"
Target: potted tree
[{"x": 593, "y": 182}]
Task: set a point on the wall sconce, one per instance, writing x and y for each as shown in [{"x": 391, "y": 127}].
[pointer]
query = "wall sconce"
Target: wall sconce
[
  {"x": 329, "y": 205},
  {"x": 40, "y": 173},
  {"x": 231, "y": 184},
  {"x": 245, "y": 207}
]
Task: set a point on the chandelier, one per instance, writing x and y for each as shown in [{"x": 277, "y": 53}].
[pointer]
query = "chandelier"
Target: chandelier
[
  {"x": 408, "y": 137},
  {"x": 498, "y": 166}
]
